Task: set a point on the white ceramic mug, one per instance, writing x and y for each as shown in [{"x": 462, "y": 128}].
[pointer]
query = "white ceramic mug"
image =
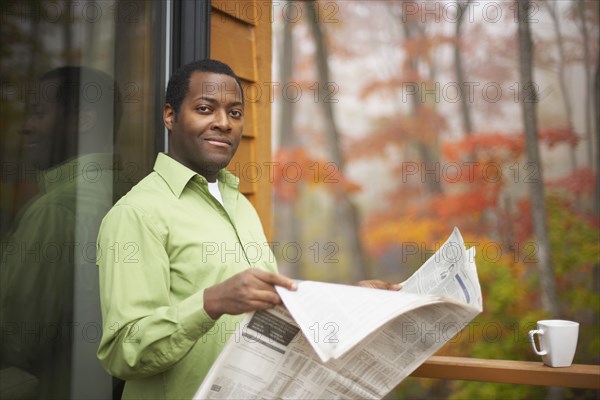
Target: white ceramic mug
[{"x": 558, "y": 341}]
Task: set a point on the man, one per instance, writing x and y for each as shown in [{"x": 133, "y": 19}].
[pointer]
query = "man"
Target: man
[
  {"x": 175, "y": 270},
  {"x": 174, "y": 276},
  {"x": 49, "y": 307}
]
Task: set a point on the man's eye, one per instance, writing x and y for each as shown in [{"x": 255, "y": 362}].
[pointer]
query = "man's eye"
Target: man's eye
[
  {"x": 202, "y": 108},
  {"x": 37, "y": 111},
  {"x": 236, "y": 113}
]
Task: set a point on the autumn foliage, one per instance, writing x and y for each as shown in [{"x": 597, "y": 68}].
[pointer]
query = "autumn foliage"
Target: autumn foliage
[
  {"x": 440, "y": 174},
  {"x": 294, "y": 167}
]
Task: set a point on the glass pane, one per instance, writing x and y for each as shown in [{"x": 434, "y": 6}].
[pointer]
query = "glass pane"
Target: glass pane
[{"x": 81, "y": 91}]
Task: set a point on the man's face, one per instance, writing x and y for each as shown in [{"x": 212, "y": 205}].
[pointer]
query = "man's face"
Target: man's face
[
  {"x": 207, "y": 130},
  {"x": 42, "y": 126}
]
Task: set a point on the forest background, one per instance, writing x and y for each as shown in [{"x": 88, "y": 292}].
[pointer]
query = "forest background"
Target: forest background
[{"x": 395, "y": 121}]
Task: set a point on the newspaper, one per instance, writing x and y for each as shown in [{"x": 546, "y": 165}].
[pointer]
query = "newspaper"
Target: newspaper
[{"x": 335, "y": 341}]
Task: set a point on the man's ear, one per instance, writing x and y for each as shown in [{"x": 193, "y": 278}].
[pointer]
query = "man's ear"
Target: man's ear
[
  {"x": 88, "y": 119},
  {"x": 168, "y": 117}
]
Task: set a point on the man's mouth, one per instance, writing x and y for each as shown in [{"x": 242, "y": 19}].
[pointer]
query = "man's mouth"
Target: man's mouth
[
  {"x": 219, "y": 142},
  {"x": 28, "y": 145}
]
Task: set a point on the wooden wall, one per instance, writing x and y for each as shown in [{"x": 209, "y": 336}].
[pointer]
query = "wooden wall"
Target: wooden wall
[{"x": 240, "y": 35}]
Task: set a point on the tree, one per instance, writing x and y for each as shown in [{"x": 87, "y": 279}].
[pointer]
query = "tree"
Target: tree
[
  {"x": 427, "y": 151},
  {"x": 551, "y": 6},
  {"x": 588, "y": 81},
  {"x": 458, "y": 67},
  {"x": 597, "y": 107},
  {"x": 285, "y": 216},
  {"x": 536, "y": 186},
  {"x": 348, "y": 219}
]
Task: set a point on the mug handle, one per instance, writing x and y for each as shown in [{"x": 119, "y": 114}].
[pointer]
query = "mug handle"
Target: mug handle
[{"x": 532, "y": 333}]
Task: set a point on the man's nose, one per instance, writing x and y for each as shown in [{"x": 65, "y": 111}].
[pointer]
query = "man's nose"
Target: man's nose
[
  {"x": 28, "y": 125},
  {"x": 221, "y": 120}
]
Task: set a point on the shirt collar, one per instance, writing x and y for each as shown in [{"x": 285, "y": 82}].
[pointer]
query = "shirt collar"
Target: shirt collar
[
  {"x": 70, "y": 170},
  {"x": 177, "y": 175}
]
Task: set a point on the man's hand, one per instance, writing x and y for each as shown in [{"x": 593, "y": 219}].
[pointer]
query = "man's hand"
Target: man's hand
[
  {"x": 251, "y": 290},
  {"x": 377, "y": 284}
]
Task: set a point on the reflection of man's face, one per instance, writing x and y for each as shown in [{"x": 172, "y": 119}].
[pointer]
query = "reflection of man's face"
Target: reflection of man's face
[{"x": 43, "y": 124}]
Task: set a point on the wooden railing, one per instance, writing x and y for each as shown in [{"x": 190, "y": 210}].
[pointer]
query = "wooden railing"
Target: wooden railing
[{"x": 505, "y": 371}]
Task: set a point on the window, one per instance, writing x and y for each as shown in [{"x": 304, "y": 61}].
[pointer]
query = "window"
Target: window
[{"x": 81, "y": 120}]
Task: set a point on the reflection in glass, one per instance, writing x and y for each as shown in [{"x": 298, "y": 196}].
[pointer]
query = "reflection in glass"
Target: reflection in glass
[
  {"x": 47, "y": 263},
  {"x": 78, "y": 130}
]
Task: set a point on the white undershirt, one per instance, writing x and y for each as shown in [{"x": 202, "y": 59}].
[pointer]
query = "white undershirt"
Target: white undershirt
[{"x": 213, "y": 188}]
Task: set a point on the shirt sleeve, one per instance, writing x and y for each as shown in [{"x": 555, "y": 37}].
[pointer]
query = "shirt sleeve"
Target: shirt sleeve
[
  {"x": 144, "y": 333},
  {"x": 36, "y": 285}
]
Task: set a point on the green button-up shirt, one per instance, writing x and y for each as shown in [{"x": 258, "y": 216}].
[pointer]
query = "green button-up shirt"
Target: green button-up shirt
[
  {"x": 159, "y": 247},
  {"x": 49, "y": 308}
]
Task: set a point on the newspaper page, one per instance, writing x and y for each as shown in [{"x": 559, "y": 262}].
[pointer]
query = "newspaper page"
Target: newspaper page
[
  {"x": 450, "y": 272},
  {"x": 339, "y": 341}
]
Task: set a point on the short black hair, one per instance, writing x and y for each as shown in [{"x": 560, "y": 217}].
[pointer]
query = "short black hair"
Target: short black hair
[
  {"x": 78, "y": 87},
  {"x": 74, "y": 82},
  {"x": 179, "y": 83}
]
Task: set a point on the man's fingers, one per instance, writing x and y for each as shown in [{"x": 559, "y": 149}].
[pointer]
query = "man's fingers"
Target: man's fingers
[
  {"x": 275, "y": 279},
  {"x": 377, "y": 284},
  {"x": 261, "y": 305},
  {"x": 266, "y": 296},
  {"x": 247, "y": 291}
]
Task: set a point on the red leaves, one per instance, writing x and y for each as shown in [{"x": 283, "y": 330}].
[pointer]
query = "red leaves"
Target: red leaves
[
  {"x": 582, "y": 181},
  {"x": 424, "y": 127},
  {"x": 421, "y": 47},
  {"x": 554, "y": 136},
  {"x": 390, "y": 85},
  {"x": 294, "y": 167},
  {"x": 494, "y": 146},
  {"x": 465, "y": 204}
]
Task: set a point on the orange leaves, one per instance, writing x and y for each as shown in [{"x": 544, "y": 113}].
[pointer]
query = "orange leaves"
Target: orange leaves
[
  {"x": 389, "y": 133},
  {"x": 554, "y": 136},
  {"x": 399, "y": 232},
  {"x": 427, "y": 125},
  {"x": 294, "y": 167},
  {"x": 582, "y": 181},
  {"x": 424, "y": 127},
  {"x": 494, "y": 146},
  {"x": 421, "y": 47},
  {"x": 473, "y": 172},
  {"x": 465, "y": 204},
  {"x": 388, "y": 85}
]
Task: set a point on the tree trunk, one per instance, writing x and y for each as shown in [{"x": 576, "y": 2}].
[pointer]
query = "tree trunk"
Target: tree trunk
[
  {"x": 561, "y": 76},
  {"x": 596, "y": 98},
  {"x": 588, "y": 84},
  {"x": 460, "y": 73},
  {"x": 536, "y": 187},
  {"x": 287, "y": 225},
  {"x": 286, "y": 62},
  {"x": 347, "y": 213},
  {"x": 596, "y": 211},
  {"x": 428, "y": 154}
]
